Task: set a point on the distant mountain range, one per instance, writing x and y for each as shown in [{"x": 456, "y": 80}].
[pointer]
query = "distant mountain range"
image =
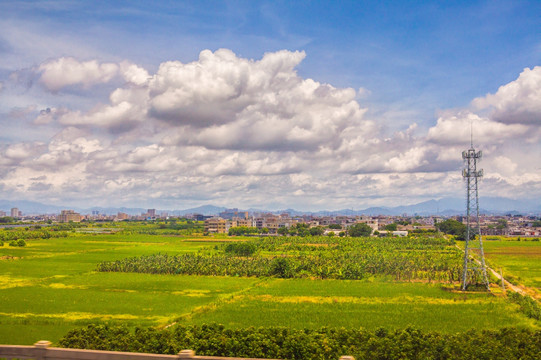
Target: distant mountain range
[{"x": 443, "y": 207}]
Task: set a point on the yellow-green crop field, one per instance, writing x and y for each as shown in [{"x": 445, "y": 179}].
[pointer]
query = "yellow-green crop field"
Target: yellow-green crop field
[
  {"x": 52, "y": 285},
  {"x": 519, "y": 260}
]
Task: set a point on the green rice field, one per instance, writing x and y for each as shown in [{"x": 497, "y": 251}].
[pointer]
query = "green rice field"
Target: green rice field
[
  {"x": 520, "y": 261},
  {"x": 51, "y": 286}
]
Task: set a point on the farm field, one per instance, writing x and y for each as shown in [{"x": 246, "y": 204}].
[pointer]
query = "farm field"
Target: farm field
[
  {"x": 52, "y": 285},
  {"x": 520, "y": 260},
  {"x": 303, "y": 303}
]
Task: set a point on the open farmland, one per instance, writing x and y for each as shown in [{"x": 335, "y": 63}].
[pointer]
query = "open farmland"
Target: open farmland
[
  {"x": 302, "y": 303},
  {"x": 520, "y": 261},
  {"x": 52, "y": 285}
]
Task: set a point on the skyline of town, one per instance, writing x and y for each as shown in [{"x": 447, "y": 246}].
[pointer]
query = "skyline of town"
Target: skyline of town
[{"x": 260, "y": 223}]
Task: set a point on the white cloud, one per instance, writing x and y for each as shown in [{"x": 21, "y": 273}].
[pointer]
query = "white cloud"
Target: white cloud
[
  {"x": 220, "y": 101},
  {"x": 455, "y": 128},
  {"x": 246, "y": 104},
  {"x": 48, "y": 115},
  {"x": 502, "y": 165},
  {"x": 518, "y": 102},
  {"x": 119, "y": 117},
  {"x": 407, "y": 161},
  {"x": 19, "y": 151},
  {"x": 133, "y": 73},
  {"x": 66, "y": 71},
  {"x": 236, "y": 131}
]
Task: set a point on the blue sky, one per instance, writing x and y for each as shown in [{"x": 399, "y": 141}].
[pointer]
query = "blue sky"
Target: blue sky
[{"x": 418, "y": 70}]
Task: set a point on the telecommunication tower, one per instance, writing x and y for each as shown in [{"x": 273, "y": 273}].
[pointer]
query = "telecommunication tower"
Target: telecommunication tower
[{"x": 475, "y": 271}]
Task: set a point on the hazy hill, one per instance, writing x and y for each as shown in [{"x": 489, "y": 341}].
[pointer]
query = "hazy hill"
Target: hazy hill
[{"x": 444, "y": 207}]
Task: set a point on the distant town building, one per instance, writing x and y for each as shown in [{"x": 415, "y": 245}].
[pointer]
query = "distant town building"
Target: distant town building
[
  {"x": 217, "y": 225},
  {"x": 14, "y": 212},
  {"x": 151, "y": 212},
  {"x": 199, "y": 217},
  {"x": 122, "y": 216},
  {"x": 69, "y": 215}
]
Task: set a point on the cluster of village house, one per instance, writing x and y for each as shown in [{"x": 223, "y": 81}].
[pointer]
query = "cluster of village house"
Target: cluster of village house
[
  {"x": 510, "y": 225},
  {"x": 490, "y": 225}
]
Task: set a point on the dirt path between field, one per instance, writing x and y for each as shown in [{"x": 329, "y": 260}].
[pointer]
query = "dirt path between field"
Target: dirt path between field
[{"x": 507, "y": 284}]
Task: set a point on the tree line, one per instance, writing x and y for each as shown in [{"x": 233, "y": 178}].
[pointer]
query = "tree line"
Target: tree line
[{"x": 320, "y": 344}]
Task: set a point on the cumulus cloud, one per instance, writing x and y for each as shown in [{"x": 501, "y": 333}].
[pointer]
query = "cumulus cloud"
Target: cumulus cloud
[
  {"x": 228, "y": 102},
  {"x": 412, "y": 159},
  {"x": 63, "y": 72},
  {"x": 119, "y": 116},
  {"x": 67, "y": 71},
  {"x": 242, "y": 131},
  {"x": 220, "y": 101},
  {"x": 133, "y": 73},
  {"x": 518, "y": 102},
  {"x": 456, "y": 128}
]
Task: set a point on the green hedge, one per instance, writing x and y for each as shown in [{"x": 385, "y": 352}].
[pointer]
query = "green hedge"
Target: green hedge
[{"x": 284, "y": 343}]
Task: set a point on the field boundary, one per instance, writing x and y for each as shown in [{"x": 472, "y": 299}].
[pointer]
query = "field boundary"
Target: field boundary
[{"x": 222, "y": 299}]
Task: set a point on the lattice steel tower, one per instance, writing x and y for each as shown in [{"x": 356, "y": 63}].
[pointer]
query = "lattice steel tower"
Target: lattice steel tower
[{"x": 475, "y": 271}]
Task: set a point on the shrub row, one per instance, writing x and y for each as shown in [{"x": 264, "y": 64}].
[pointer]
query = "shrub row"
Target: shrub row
[
  {"x": 284, "y": 343},
  {"x": 9, "y": 235},
  {"x": 528, "y": 306}
]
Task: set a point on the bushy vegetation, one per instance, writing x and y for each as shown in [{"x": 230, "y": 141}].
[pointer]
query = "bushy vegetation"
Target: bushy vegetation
[
  {"x": 452, "y": 227},
  {"x": 391, "y": 227},
  {"x": 360, "y": 229},
  {"x": 243, "y": 230},
  {"x": 432, "y": 259},
  {"x": 528, "y": 306},
  {"x": 325, "y": 343},
  {"x": 12, "y": 234},
  {"x": 241, "y": 248},
  {"x": 169, "y": 227},
  {"x": 302, "y": 230},
  {"x": 19, "y": 243}
]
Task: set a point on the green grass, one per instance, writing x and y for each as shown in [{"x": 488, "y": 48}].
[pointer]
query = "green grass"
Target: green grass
[
  {"x": 312, "y": 304},
  {"x": 51, "y": 286},
  {"x": 520, "y": 260}
]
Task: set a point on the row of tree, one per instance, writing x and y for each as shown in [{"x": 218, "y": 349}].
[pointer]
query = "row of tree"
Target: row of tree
[
  {"x": 324, "y": 343},
  {"x": 303, "y": 230},
  {"x": 299, "y": 257}
]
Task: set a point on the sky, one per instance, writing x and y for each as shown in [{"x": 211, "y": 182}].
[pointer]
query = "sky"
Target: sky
[{"x": 312, "y": 105}]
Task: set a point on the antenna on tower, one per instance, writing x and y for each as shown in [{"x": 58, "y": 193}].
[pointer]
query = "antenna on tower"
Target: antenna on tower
[
  {"x": 474, "y": 271},
  {"x": 471, "y": 133}
]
